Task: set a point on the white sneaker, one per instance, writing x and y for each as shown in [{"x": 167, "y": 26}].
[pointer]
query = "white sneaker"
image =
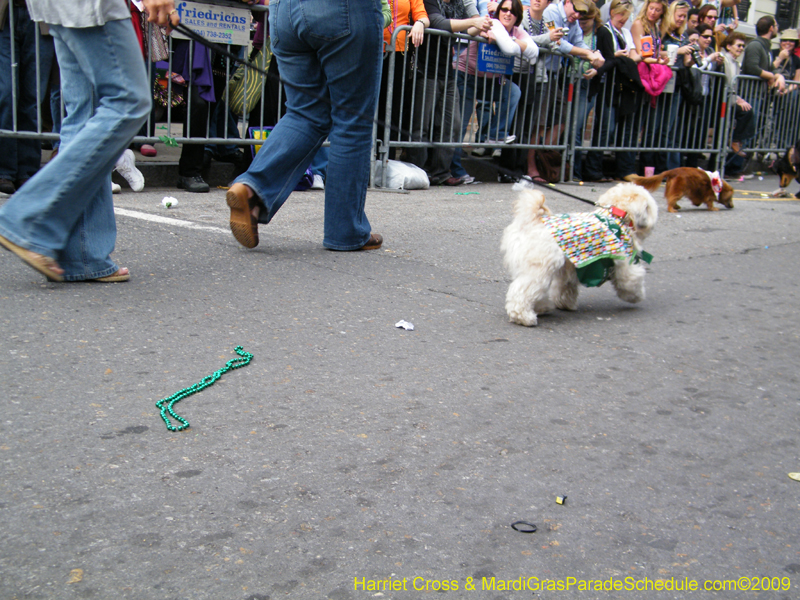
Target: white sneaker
[
  {"x": 497, "y": 153},
  {"x": 126, "y": 166},
  {"x": 317, "y": 183},
  {"x": 115, "y": 188},
  {"x": 509, "y": 140},
  {"x": 478, "y": 151}
]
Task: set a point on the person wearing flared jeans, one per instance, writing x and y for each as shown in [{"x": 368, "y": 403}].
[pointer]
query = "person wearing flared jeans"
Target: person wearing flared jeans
[
  {"x": 330, "y": 54},
  {"x": 65, "y": 212}
]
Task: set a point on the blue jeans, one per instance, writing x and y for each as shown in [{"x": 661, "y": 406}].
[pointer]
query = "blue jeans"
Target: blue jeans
[
  {"x": 20, "y": 159},
  {"x": 470, "y": 87},
  {"x": 494, "y": 119},
  {"x": 332, "y": 49},
  {"x": 66, "y": 212}
]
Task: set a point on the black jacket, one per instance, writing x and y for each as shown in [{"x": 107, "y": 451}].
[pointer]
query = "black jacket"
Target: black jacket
[{"x": 625, "y": 94}]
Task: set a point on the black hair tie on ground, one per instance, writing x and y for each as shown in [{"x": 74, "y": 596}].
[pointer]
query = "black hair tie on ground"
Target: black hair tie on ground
[{"x": 524, "y": 527}]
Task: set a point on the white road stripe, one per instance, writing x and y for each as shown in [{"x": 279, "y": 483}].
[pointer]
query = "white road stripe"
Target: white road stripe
[{"x": 167, "y": 221}]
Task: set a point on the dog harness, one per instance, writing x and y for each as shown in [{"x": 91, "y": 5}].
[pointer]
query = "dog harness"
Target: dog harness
[{"x": 592, "y": 242}]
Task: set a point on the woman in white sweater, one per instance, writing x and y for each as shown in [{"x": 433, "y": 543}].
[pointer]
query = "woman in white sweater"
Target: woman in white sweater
[{"x": 512, "y": 41}]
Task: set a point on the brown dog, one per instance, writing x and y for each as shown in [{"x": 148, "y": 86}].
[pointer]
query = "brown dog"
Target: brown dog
[{"x": 693, "y": 183}]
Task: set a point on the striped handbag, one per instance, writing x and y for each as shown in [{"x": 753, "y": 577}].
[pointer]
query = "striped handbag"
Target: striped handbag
[{"x": 245, "y": 91}]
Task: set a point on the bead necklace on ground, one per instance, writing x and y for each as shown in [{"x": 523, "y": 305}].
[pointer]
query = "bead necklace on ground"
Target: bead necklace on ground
[{"x": 206, "y": 381}]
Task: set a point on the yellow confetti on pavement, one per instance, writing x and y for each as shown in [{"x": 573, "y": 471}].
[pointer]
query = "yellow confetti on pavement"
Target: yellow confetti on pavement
[{"x": 75, "y": 576}]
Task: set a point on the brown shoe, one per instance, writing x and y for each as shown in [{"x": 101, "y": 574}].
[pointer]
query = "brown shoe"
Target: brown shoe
[
  {"x": 244, "y": 225},
  {"x": 374, "y": 242}
]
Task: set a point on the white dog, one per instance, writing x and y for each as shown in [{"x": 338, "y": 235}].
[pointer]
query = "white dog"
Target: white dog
[{"x": 547, "y": 256}]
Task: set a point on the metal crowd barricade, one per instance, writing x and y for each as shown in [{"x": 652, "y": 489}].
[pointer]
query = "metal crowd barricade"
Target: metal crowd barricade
[
  {"x": 668, "y": 125},
  {"x": 13, "y": 77},
  {"x": 777, "y": 115},
  {"x": 487, "y": 102},
  {"x": 191, "y": 136},
  {"x": 585, "y": 125}
]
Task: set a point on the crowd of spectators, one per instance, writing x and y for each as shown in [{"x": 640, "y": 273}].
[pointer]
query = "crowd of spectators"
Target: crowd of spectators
[{"x": 636, "y": 66}]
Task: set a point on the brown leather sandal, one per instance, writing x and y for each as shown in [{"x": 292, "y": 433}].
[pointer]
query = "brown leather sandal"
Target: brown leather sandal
[{"x": 374, "y": 242}]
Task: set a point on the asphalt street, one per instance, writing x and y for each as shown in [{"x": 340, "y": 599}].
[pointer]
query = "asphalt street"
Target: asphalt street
[{"x": 352, "y": 459}]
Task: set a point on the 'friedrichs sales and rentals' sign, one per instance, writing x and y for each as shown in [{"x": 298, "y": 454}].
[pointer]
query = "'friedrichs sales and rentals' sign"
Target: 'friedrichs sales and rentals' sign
[{"x": 220, "y": 24}]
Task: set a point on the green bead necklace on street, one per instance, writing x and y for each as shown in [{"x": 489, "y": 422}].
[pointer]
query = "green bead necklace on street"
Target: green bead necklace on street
[{"x": 165, "y": 405}]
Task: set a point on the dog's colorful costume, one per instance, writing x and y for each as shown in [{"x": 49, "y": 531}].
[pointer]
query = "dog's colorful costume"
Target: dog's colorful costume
[{"x": 592, "y": 242}]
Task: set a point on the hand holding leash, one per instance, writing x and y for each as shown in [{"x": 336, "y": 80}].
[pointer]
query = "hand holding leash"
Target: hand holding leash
[{"x": 162, "y": 13}]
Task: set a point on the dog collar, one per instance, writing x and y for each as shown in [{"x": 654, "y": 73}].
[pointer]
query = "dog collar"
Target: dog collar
[
  {"x": 716, "y": 181},
  {"x": 618, "y": 212},
  {"x": 624, "y": 218}
]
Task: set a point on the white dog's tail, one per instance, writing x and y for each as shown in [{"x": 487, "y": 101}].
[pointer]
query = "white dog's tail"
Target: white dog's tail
[{"x": 529, "y": 206}]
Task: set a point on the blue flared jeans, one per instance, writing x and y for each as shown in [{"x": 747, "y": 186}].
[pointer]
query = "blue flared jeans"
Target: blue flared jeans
[
  {"x": 65, "y": 211},
  {"x": 330, "y": 54}
]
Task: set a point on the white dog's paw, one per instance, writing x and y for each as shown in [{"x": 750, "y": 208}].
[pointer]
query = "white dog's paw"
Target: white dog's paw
[
  {"x": 566, "y": 297},
  {"x": 526, "y": 317},
  {"x": 571, "y": 305},
  {"x": 632, "y": 296},
  {"x": 628, "y": 281}
]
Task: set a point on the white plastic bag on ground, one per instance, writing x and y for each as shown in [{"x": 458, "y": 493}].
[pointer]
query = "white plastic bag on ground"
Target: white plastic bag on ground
[{"x": 402, "y": 176}]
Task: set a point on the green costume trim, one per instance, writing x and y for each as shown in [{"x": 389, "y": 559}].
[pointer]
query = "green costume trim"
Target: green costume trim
[{"x": 597, "y": 272}]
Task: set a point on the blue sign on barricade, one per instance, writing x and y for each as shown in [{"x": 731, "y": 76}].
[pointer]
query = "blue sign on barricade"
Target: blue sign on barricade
[
  {"x": 491, "y": 60},
  {"x": 219, "y": 23}
]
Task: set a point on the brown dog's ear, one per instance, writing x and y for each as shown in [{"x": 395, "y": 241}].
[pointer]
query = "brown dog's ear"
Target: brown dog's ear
[{"x": 792, "y": 155}]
